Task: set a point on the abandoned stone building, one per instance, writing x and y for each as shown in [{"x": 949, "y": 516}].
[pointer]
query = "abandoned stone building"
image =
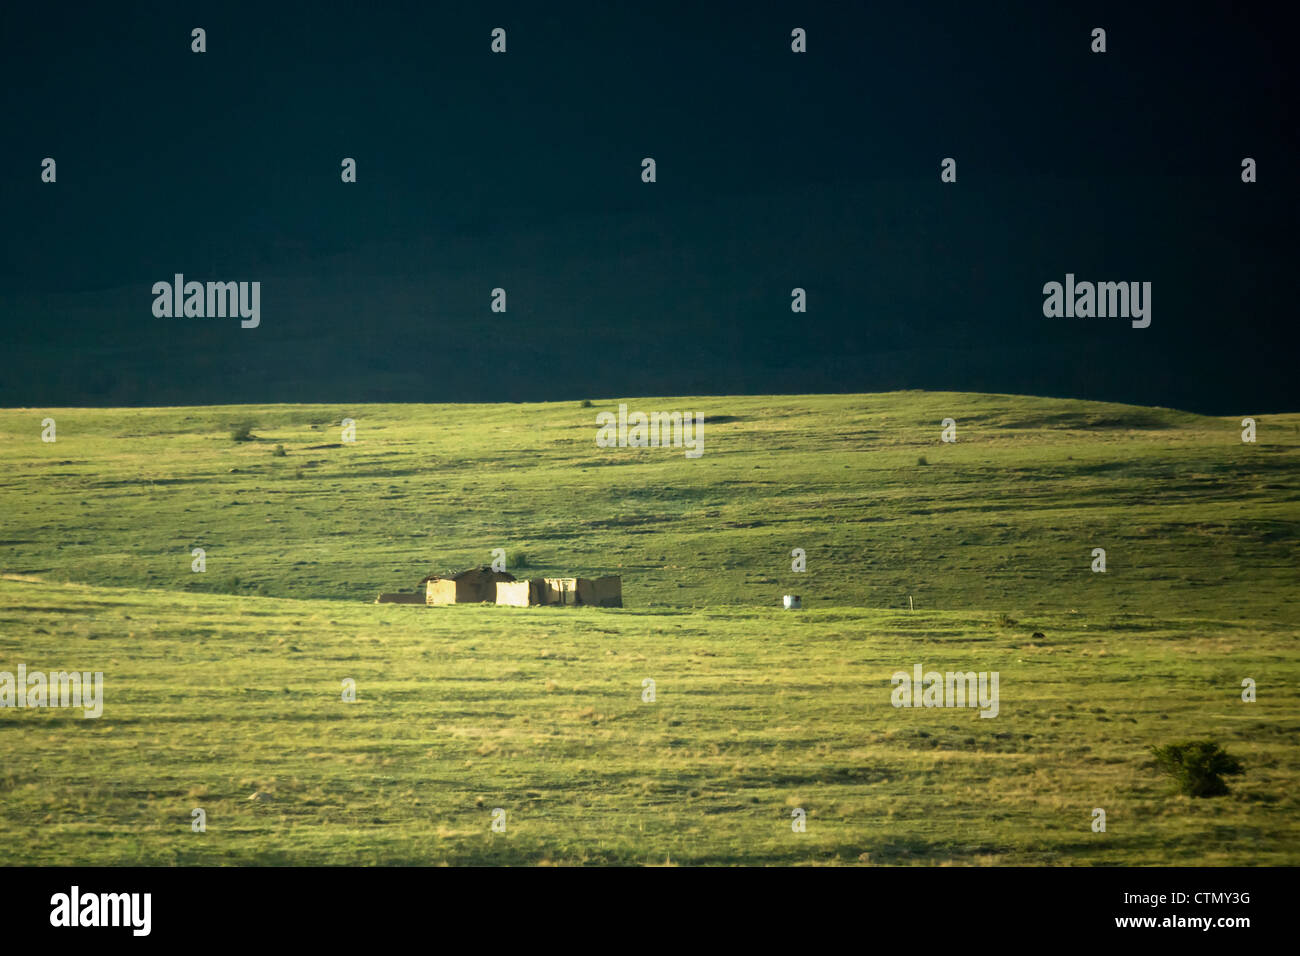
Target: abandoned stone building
[{"x": 484, "y": 585}]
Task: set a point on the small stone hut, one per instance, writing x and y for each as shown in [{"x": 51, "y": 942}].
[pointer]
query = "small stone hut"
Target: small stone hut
[{"x": 468, "y": 587}]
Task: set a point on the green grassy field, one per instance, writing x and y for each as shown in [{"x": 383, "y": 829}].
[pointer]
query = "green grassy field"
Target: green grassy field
[{"x": 225, "y": 684}]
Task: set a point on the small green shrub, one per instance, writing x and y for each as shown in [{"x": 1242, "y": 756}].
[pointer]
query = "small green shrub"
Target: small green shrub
[
  {"x": 586, "y": 403},
  {"x": 518, "y": 559},
  {"x": 922, "y": 461},
  {"x": 1197, "y": 766},
  {"x": 242, "y": 431},
  {"x": 278, "y": 452}
]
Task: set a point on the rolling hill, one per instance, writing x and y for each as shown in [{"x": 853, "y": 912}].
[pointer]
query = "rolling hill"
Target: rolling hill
[{"x": 222, "y": 688}]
